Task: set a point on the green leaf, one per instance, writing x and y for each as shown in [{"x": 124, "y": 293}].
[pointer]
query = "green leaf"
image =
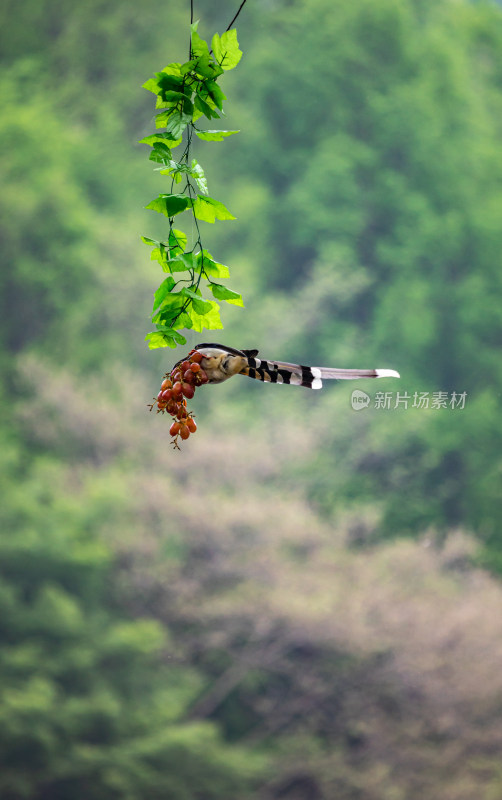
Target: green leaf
[
  {"x": 165, "y": 138},
  {"x": 175, "y": 97},
  {"x": 198, "y": 175},
  {"x": 169, "y": 83},
  {"x": 226, "y": 49},
  {"x": 209, "y": 210},
  {"x": 169, "y": 309},
  {"x": 215, "y": 93},
  {"x": 170, "y": 77},
  {"x": 188, "y": 259},
  {"x": 175, "y": 169},
  {"x": 214, "y": 136},
  {"x": 160, "y": 254},
  {"x": 177, "y": 241},
  {"x": 210, "y": 320},
  {"x": 222, "y": 293},
  {"x": 169, "y": 204},
  {"x": 151, "y": 85},
  {"x": 160, "y": 153},
  {"x": 199, "y": 305},
  {"x": 205, "y": 108},
  {"x": 172, "y": 69},
  {"x": 165, "y": 287},
  {"x": 164, "y": 337},
  {"x": 174, "y": 121},
  {"x": 207, "y": 69},
  {"x": 206, "y": 263},
  {"x": 149, "y": 242},
  {"x": 189, "y": 66},
  {"x": 199, "y": 47},
  {"x": 175, "y": 264}
]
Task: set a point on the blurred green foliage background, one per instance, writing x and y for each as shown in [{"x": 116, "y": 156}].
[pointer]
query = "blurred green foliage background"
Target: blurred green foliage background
[{"x": 305, "y": 602}]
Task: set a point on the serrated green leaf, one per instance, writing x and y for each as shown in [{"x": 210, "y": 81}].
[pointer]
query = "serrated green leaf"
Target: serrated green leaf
[
  {"x": 205, "y": 262},
  {"x": 151, "y": 85},
  {"x": 175, "y": 264},
  {"x": 169, "y": 316},
  {"x": 164, "y": 337},
  {"x": 160, "y": 254},
  {"x": 173, "y": 300},
  {"x": 208, "y": 69},
  {"x": 174, "y": 97},
  {"x": 188, "y": 260},
  {"x": 226, "y": 49},
  {"x": 214, "y": 136},
  {"x": 165, "y": 287},
  {"x": 198, "y": 175},
  {"x": 157, "y": 339},
  {"x": 223, "y": 293},
  {"x": 161, "y": 153},
  {"x": 177, "y": 241},
  {"x": 169, "y": 83},
  {"x": 215, "y": 93},
  {"x": 167, "y": 138},
  {"x": 204, "y": 107},
  {"x": 209, "y": 210},
  {"x": 210, "y": 320},
  {"x": 173, "y": 69},
  {"x": 170, "y": 77},
  {"x": 199, "y": 305},
  {"x": 199, "y": 47},
  {"x": 169, "y": 204},
  {"x": 195, "y": 171},
  {"x": 189, "y": 66},
  {"x": 174, "y": 121}
]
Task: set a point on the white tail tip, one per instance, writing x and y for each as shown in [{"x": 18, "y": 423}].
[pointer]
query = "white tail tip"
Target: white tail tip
[{"x": 387, "y": 373}]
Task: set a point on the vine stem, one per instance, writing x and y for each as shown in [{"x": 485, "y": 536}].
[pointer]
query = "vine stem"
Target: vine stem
[
  {"x": 190, "y": 41},
  {"x": 238, "y": 12}
]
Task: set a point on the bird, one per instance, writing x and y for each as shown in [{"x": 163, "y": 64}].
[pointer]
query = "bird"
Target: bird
[{"x": 221, "y": 363}]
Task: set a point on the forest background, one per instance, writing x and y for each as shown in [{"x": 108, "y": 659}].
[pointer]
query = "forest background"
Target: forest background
[{"x": 304, "y": 603}]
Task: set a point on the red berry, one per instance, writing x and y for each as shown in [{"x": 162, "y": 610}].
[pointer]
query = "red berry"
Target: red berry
[
  {"x": 174, "y": 429},
  {"x": 189, "y": 377},
  {"x": 188, "y": 390},
  {"x": 167, "y": 394},
  {"x": 195, "y": 367},
  {"x": 184, "y": 432},
  {"x": 190, "y": 423},
  {"x": 196, "y": 357},
  {"x": 172, "y": 407},
  {"x": 184, "y": 366},
  {"x": 166, "y": 384},
  {"x": 202, "y": 376},
  {"x": 177, "y": 390}
]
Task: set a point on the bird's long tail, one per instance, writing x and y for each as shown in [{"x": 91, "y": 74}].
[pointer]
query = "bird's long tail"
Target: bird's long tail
[{"x": 299, "y": 375}]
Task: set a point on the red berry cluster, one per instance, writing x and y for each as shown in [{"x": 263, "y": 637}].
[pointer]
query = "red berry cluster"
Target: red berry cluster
[{"x": 177, "y": 386}]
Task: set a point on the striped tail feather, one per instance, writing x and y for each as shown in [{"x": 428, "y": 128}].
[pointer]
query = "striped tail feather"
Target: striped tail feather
[{"x": 310, "y": 377}]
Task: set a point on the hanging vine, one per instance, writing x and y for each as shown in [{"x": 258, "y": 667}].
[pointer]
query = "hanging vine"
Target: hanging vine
[{"x": 185, "y": 94}]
